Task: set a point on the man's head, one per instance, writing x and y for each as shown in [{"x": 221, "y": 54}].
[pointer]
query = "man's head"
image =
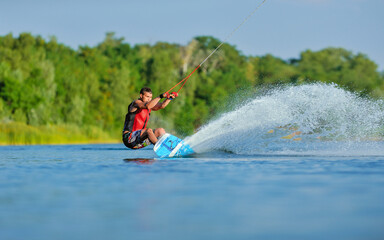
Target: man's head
[{"x": 146, "y": 94}]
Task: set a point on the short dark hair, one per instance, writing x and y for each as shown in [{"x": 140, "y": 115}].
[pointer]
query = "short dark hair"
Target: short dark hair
[{"x": 145, "y": 89}]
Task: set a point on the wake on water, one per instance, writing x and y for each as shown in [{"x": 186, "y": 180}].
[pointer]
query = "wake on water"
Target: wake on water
[{"x": 319, "y": 119}]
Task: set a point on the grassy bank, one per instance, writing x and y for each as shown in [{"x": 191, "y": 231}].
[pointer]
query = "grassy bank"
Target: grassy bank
[{"x": 15, "y": 133}]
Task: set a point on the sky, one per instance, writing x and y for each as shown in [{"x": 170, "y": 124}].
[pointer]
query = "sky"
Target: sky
[{"x": 283, "y": 28}]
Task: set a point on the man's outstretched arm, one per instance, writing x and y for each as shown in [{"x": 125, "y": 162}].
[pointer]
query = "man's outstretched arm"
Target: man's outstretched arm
[
  {"x": 161, "y": 105},
  {"x": 149, "y": 105}
]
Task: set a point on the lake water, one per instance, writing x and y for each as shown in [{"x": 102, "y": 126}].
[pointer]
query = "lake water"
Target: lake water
[{"x": 110, "y": 192}]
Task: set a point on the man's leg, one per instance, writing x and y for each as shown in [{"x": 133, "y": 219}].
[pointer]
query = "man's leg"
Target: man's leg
[
  {"x": 153, "y": 136},
  {"x": 148, "y": 133},
  {"x": 159, "y": 132}
]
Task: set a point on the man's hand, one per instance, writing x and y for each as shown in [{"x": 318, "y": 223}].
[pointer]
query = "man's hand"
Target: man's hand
[
  {"x": 173, "y": 95},
  {"x": 164, "y": 95},
  {"x": 169, "y": 96}
]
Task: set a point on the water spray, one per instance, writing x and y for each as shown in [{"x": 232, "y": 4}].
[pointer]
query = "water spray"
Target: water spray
[{"x": 320, "y": 119}]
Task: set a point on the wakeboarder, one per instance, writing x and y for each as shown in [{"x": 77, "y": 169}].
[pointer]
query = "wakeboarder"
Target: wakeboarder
[{"x": 136, "y": 135}]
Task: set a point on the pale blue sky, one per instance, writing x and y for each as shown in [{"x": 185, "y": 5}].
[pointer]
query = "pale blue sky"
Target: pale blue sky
[{"x": 283, "y": 28}]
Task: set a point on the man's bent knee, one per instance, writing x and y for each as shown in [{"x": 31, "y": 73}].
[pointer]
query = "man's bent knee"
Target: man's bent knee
[
  {"x": 159, "y": 132},
  {"x": 149, "y": 131}
]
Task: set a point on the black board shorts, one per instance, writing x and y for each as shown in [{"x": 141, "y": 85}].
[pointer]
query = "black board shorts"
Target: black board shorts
[{"x": 132, "y": 140}]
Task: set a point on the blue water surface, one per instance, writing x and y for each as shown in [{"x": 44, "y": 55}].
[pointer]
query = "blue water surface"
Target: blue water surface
[{"x": 110, "y": 192}]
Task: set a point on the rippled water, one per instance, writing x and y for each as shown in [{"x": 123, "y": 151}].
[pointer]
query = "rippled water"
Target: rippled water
[{"x": 109, "y": 192}]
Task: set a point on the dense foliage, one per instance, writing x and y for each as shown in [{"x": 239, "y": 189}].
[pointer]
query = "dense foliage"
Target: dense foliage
[{"x": 45, "y": 83}]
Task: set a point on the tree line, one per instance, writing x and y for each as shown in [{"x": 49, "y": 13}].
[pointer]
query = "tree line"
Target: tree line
[{"x": 44, "y": 82}]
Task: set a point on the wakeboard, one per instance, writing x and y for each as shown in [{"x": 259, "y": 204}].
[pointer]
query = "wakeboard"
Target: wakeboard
[{"x": 171, "y": 146}]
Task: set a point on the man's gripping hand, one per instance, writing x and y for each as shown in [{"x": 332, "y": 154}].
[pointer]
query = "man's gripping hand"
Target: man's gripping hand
[
  {"x": 164, "y": 95},
  {"x": 173, "y": 95}
]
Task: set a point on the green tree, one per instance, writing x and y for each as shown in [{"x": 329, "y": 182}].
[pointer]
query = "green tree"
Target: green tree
[{"x": 354, "y": 71}]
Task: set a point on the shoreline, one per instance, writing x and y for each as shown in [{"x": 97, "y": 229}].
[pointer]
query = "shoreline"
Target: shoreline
[
  {"x": 60, "y": 143},
  {"x": 19, "y": 134}
]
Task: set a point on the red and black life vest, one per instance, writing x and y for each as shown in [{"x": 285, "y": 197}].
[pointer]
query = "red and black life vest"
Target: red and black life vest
[{"x": 136, "y": 120}]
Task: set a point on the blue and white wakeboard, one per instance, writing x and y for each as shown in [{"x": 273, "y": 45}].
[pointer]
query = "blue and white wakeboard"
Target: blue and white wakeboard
[{"x": 171, "y": 146}]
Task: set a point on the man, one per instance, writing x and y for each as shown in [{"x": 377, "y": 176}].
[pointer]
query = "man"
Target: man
[{"x": 136, "y": 135}]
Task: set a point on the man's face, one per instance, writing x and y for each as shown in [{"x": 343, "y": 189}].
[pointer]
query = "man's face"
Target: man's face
[{"x": 146, "y": 97}]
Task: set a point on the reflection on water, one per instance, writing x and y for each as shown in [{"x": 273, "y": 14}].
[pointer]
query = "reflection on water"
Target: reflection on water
[{"x": 140, "y": 161}]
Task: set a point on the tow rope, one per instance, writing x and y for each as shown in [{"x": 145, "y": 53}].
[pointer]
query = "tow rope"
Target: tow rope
[{"x": 219, "y": 46}]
